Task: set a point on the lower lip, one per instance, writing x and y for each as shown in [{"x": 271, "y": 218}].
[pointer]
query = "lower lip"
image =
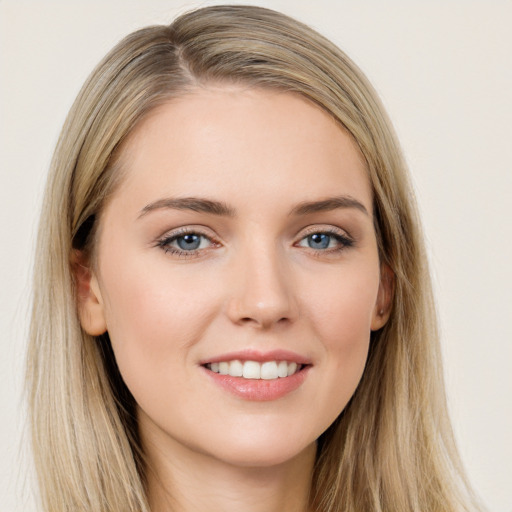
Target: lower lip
[{"x": 259, "y": 389}]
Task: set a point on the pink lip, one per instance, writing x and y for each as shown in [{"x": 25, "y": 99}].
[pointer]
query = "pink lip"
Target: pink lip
[
  {"x": 260, "y": 357},
  {"x": 259, "y": 389}
]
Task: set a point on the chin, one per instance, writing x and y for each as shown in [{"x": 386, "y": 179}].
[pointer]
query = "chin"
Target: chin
[{"x": 250, "y": 453}]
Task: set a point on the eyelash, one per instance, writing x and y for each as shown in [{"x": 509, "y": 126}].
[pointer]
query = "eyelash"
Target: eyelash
[
  {"x": 165, "y": 242},
  {"x": 343, "y": 241}
]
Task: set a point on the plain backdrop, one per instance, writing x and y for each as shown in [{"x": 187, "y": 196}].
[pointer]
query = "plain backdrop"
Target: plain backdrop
[{"x": 444, "y": 72}]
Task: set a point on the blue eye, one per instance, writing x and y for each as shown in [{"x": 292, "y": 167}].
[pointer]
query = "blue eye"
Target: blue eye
[
  {"x": 185, "y": 244},
  {"x": 189, "y": 242},
  {"x": 319, "y": 241},
  {"x": 325, "y": 241}
]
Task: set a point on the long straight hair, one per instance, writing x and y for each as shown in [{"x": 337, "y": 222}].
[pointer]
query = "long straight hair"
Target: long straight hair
[{"x": 392, "y": 447}]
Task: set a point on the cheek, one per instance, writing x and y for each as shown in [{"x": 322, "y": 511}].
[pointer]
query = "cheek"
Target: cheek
[
  {"x": 153, "y": 318},
  {"x": 342, "y": 309},
  {"x": 341, "y": 318}
]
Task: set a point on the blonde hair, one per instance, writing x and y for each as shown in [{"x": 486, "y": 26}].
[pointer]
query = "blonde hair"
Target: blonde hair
[{"x": 392, "y": 448}]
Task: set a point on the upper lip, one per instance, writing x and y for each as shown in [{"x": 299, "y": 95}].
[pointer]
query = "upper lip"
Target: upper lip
[{"x": 259, "y": 356}]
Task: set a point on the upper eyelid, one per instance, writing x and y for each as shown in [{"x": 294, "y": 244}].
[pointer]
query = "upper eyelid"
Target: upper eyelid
[
  {"x": 186, "y": 230},
  {"x": 325, "y": 228},
  {"x": 166, "y": 243},
  {"x": 214, "y": 238},
  {"x": 170, "y": 236}
]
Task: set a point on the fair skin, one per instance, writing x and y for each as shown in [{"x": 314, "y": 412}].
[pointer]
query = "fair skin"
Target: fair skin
[{"x": 242, "y": 231}]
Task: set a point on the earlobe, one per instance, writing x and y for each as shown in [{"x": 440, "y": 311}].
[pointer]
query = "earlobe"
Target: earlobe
[
  {"x": 382, "y": 310},
  {"x": 88, "y": 296}
]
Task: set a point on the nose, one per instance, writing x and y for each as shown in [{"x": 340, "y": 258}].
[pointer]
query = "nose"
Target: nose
[{"x": 262, "y": 292}]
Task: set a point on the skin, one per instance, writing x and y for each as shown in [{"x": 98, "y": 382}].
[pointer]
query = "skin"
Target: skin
[{"x": 254, "y": 283}]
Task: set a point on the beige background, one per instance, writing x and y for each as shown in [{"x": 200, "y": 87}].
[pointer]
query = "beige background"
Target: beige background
[{"x": 444, "y": 72}]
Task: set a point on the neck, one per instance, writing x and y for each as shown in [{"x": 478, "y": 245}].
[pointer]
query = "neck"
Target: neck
[{"x": 181, "y": 480}]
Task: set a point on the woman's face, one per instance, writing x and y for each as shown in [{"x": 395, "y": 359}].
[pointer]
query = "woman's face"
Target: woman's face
[{"x": 241, "y": 240}]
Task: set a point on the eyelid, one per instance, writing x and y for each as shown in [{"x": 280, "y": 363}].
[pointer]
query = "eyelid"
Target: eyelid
[
  {"x": 324, "y": 228},
  {"x": 344, "y": 239},
  {"x": 186, "y": 230},
  {"x": 164, "y": 241},
  {"x": 169, "y": 236}
]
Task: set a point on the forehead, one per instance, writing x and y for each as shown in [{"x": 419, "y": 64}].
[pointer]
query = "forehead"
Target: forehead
[{"x": 242, "y": 143}]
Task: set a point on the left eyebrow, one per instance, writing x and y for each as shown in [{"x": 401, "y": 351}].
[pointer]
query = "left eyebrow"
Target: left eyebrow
[{"x": 329, "y": 204}]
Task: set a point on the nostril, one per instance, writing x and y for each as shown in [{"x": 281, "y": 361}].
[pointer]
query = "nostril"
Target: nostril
[{"x": 264, "y": 321}]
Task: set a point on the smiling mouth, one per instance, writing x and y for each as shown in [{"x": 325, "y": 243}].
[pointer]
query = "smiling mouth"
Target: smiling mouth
[{"x": 268, "y": 370}]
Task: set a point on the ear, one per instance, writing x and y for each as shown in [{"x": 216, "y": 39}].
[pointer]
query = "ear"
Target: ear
[
  {"x": 382, "y": 309},
  {"x": 89, "y": 300}
]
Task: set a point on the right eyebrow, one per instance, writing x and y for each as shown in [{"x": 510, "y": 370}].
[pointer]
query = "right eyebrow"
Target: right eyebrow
[{"x": 194, "y": 204}]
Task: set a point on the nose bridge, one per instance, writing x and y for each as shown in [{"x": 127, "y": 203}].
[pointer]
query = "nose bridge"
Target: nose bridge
[{"x": 262, "y": 293}]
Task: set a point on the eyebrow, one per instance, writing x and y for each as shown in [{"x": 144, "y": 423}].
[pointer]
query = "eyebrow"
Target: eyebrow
[
  {"x": 329, "y": 204},
  {"x": 220, "y": 208},
  {"x": 190, "y": 203}
]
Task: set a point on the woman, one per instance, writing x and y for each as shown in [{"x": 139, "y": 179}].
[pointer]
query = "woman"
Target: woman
[{"x": 236, "y": 313}]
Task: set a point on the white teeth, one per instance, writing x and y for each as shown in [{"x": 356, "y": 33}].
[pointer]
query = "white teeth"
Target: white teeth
[
  {"x": 282, "y": 369},
  {"x": 292, "y": 367},
  {"x": 252, "y": 370},
  {"x": 236, "y": 368},
  {"x": 268, "y": 370}
]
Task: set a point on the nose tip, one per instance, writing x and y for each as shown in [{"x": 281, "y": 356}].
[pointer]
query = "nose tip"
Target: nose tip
[
  {"x": 262, "y": 296},
  {"x": 263, "y": 315}
]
